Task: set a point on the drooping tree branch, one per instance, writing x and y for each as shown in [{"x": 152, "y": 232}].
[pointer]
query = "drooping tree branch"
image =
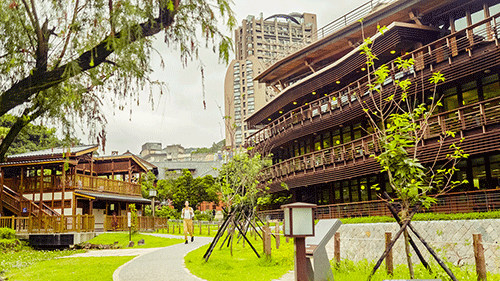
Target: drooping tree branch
[{"x": 38, "y": 81}]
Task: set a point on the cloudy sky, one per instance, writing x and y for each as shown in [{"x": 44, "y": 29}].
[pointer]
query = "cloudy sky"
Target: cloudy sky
[{"x": 178, "y": 116}]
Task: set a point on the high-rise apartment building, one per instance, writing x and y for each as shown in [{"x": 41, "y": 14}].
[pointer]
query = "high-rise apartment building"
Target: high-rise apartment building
[{"x": 258, "y": 42}]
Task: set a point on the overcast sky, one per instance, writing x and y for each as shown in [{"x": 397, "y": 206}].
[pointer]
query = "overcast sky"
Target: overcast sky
[{"x": 178, "y": 116}]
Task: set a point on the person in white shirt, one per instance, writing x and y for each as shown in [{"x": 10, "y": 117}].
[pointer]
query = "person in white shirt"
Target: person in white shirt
[{"x": 188, "y": 215}]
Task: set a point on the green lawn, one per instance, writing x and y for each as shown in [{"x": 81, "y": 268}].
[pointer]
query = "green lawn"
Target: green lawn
[
  {"x": 244, "y": 264},
  {"x": 123, "y": 239},
  {"x": 348, "y": 271},
  {"x": 70, "y": 269}
]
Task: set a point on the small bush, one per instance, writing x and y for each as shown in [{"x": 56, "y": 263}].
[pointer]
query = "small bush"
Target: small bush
[
  {"x": 167, "y": 212},
  {"x": 7, "y": 233},
  {"x": 10, "y": 244},
  {"x": 203, "y": 216}
]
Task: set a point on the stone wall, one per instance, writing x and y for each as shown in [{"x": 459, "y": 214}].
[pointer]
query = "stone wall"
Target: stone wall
[{"x": 452, "y": 240}]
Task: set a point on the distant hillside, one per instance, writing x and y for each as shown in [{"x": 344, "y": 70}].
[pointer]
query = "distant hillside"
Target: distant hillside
[{"x": 215, "y": 148}]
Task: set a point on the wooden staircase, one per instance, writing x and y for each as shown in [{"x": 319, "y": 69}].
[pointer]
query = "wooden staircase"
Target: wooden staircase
[{"x": 16, "y": 203}]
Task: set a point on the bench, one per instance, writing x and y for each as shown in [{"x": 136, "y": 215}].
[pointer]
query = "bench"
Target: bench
[{"x": 318, "y": 264}]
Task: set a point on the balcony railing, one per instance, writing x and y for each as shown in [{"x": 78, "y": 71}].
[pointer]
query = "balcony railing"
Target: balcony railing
[
  {"x": 106, "y": 185},
  {"x": 478, "y": 115},
  {"x": 427, "y": 57},
  {"x": 49, "y": 224},
  {"x": 459, "y": 202},
  {"x": 83, "y": 182},
  {"x": 339, "y": 23}
]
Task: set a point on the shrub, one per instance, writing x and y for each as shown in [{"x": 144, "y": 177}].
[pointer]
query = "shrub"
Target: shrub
[
  {"x": 7, "y": 233},
  {"x": 167, "y": 212},
  {"x": 203, "y": 216}
]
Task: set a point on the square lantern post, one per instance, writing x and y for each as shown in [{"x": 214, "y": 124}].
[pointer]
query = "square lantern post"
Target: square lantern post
[{"x": 299, "y": 224}]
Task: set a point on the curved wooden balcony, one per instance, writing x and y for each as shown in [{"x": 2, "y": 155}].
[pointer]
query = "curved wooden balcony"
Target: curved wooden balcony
[
  {"x": 340, "y": 161},
  {"x": 451, "y": 55}
]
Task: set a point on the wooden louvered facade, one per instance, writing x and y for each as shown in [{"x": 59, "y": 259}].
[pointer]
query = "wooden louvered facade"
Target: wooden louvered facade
[{"x": 318, "y": 133}]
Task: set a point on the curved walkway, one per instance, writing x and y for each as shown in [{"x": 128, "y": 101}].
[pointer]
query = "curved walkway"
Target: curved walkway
[{"x": 161, "y": 264}]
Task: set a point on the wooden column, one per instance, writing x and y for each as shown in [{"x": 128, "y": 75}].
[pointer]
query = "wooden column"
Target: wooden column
[
  {"x": 41, "y": 192},
  {"x": 63, "y": 181},
  {"x": 73, "y": 204},
  {"x": 1, "y": 192},
  {"x": 129, "y": 170},
  {"x": 453, "y": 40}
]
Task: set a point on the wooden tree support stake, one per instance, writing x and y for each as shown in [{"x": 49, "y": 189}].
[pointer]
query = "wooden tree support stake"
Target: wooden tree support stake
[{"x": 479, "y": 256}]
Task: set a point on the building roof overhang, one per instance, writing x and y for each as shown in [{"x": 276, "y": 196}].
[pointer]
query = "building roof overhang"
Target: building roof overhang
[
  {"x": 396, "y": 33},
  {"x": 343, "y": 39},
  {"x": 111, "y": 197}
]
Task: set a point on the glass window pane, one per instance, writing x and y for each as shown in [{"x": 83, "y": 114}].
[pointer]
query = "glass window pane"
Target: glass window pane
[
  {"x": 354, "y": 191},
  {"x": 491, "y": 91},
  {"x": 479, "y": 173},
  {"x": 345, "y": 191},
  {"x": 326, "y": 140},
  {"x": 363, "y": 185}
]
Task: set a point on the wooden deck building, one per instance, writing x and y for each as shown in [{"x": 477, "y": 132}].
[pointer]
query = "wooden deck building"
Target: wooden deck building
[
  {"x": 317, "y": 131},
  {"x": 69, "y": 189}
]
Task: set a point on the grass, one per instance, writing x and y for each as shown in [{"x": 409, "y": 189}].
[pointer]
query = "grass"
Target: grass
[
  {"x": 348, "y": 270},
  {"x": 123, "y": 239},
  {"x": 25, "y": 256},
  {"x": 244, "y": 264},
  {"x": 70, "y": 269}
]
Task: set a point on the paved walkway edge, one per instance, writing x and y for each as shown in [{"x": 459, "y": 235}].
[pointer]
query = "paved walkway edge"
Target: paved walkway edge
[{"x": 117, "y": 271}]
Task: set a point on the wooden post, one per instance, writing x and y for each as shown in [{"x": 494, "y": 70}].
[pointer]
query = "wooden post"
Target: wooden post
[
  {"x": 388, "y": 259},
  {"x": 479, "y": 256},
  {"x": 267, "y": 240},
  {"x": 336, "y": 247},
  {"x": 200, "y": 227},
  {"x": 1, "y": 194},
  {"x": 208, "y": 229},
  {"x": 41, "y": 192},
  {"x": 277, "y": 234}
]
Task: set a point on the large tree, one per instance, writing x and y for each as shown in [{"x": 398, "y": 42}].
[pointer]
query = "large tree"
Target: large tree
[{"x": 59, "y": 59}]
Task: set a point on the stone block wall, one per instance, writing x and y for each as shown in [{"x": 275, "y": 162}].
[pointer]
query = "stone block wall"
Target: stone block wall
[{"x": 452, "y": 240}]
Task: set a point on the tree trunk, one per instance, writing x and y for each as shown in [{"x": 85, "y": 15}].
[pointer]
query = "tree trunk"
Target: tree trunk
[{"x": 408, "y": 254}]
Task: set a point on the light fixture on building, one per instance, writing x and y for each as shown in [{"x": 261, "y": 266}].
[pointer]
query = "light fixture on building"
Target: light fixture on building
[
  {"x": 313, "y": 93},
  {"x": 306, "y": 103},
  {"x": 393, "y": 52},
  {"x": 363, "y": 69},
  {"x": 487, "y": 71},
  {"x": 338, "y": 82},
  {"x": 281, "y": 111},
  {"x": 294, "y": 102},
  {"x": 268, "y": 119}
]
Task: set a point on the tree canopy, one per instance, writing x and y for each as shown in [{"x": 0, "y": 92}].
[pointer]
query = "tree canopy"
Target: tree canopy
[
  {"x": 60, "y": 59},
  {"x": 32, "y": 137}
]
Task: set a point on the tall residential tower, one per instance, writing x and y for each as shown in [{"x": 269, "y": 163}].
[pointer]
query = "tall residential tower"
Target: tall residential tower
[{"x": 259, "y": 42}]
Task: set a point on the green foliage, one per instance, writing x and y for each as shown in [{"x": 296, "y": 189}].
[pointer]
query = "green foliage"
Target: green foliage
[
  {"x": 400, "y": 123},
  {"x": 147, "y": 182},
  {"x": 167, "y": 212},
  {"x": 33, "y": 137},
  {"x": 7, "y": 233},
  {"x": 239, "y": 178},
  {"x": 185, "y": 187},
  {"x": 134, "y": 218},
  {"x": 203, "y": 216},
  {"x": 61, "y": 66}
]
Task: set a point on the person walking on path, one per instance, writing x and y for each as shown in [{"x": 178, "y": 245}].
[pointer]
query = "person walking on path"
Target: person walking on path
[{"x": 188, "y": 215}]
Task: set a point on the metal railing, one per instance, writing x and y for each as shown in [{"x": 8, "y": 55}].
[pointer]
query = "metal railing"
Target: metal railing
[
  {"x": 332, "y": 27},
  {"x": 458, "y": 202},
  {"x": 49, "y": 224},
  {"x": 444, "y": 49}
]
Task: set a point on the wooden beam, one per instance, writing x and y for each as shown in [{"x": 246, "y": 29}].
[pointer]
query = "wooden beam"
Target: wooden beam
[
  {"x": 414, "y": 17},
  {"x": 41, "y": 193}
]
